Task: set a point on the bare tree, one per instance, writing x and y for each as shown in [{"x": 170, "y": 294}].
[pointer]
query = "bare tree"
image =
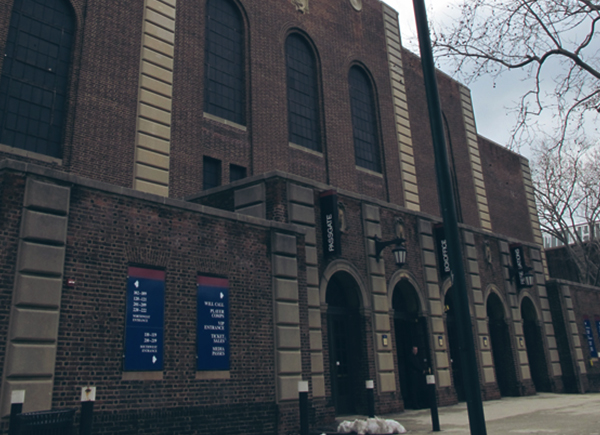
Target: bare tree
[
  {"x": 567, "y": 191},
  {"x": 553, "y": 41}
]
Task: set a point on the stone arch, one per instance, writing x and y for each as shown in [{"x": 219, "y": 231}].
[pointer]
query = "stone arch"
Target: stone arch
[
  {"x": 527, "y": 294},
  {"x": 343, "y": 266},
  {"x": 405, "y": 275},
  {"x": 493, "y": 289}
]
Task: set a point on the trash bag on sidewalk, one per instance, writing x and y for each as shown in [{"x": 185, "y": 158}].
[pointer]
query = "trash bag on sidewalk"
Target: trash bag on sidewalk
[{"x": 371, "y": 426}]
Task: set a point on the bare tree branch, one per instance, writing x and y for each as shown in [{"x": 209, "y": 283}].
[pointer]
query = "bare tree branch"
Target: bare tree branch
[
  {"x": 555, "y": 42},
  {"x": 567, "y": 191}
]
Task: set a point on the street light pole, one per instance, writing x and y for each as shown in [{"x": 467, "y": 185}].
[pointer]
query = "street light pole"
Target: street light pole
[{"x": 447, "y": 205}]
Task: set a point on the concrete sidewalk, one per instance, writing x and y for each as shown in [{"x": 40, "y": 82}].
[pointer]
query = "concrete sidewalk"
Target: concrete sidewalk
[{"x": 544, "y": 413}]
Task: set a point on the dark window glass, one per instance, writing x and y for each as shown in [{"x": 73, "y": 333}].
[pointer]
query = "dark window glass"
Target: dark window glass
[
  {"x": 302, "y": 93},
  {"x": 236, "y": 173},
  {"x": 33, "y": 84},
  {"x": 364, "y": 121},
  {"x": 225, "y": 87},
  {"x": 212, "y": 173}
]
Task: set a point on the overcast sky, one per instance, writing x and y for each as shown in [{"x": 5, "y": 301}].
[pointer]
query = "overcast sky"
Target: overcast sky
[{"x": 491, "y": 101}]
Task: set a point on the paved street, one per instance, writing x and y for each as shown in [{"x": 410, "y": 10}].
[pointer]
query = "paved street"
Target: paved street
[{"x": 545, "y": 413}]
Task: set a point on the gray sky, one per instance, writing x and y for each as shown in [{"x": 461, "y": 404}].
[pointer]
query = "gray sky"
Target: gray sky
[{"x": 491, "y": 100}]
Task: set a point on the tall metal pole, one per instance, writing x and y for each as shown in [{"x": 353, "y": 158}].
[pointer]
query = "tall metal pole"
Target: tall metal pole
[{"x": 447, "y": 205}]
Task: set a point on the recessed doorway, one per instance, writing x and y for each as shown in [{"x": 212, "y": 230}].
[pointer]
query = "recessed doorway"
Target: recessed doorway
[
  {"x": 346, "y": 343},
  {"x": 410, "y": 328},
  {"x": 535, "y": 347},
  {"x": 502, "y": 354}
]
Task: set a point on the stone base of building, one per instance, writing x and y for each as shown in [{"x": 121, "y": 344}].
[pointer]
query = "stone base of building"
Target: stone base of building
[
  {"x": 490, "y": 392},
  {"x": 527, "y": 388}
]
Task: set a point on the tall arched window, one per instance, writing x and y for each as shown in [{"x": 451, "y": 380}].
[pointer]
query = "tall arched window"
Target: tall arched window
[
  {"x": 302, "y": 93},
  {"x": 364, "y": 120},
  {"x": 224, "y": 82},
  {"x": 33, "y": 85}
]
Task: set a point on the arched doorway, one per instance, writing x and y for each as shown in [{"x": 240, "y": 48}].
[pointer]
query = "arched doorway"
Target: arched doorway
[
  {"x": 502, "y": 354},
  {"x": 410, "y": 328},
  {"x": 455, "y": 362},
  {"x": 345, "y": 333},
  {"x": 535, "y": 347}
]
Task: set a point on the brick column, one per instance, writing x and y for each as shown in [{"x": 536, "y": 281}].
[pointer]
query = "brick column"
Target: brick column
[
  {"x": 435, "y": 298},
  {"x": 251, "y": 201},
  {"x": 286, "y": 309},
  {"x": 384, "y": 358},
  {"x": 301, "y": 211},
  {"x": 153, "y": 129},
  {"x": 35, "y": 311},
  {"x": 410, "y": 186}
]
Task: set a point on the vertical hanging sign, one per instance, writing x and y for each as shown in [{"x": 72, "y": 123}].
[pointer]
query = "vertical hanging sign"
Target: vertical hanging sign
[
  {"x": 518, "y": 258},
  {"x": 212, "y": 334},
  {"x": 442, "y": 251},
  {"x": 590, "y": 336},
  {"x": 145, "y": 314},
  {"x": 330, "y": 224}
]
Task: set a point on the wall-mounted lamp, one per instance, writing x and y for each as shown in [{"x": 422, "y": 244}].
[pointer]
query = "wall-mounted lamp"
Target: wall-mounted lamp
[
  {"x": 521, "y": 276},
  {"x": 399, "y": 250}
]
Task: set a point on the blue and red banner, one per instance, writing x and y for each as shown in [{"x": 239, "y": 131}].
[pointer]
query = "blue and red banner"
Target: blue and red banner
[
  {"x": 145, "y": 318},
  {"x": 590, "y": 337},
  {"x": 212, "y": 332}
]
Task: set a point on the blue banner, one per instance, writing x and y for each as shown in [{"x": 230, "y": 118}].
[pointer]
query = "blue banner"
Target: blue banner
[
  {"x": 145, "y": 315},
  {"x": 212, "y": 333},
  {"x": 590, "y": 337}
]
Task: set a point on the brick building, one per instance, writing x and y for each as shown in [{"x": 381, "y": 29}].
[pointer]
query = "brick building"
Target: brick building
[{"x": 256, "y": 150}]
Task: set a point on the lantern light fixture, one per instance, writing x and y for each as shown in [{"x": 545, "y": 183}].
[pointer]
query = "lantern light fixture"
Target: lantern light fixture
[{"x": 399, "y": 250}]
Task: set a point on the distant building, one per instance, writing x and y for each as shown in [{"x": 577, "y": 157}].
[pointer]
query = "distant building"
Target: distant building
[{"x": 583, "y": 231}]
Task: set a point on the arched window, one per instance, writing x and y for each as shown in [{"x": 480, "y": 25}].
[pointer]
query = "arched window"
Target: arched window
[
  {"x": 33, "y": 85},
  {"x": 224, "y": 82},
  {"x": 302, "y": 93},
  {"x": 364, "y": 120}
]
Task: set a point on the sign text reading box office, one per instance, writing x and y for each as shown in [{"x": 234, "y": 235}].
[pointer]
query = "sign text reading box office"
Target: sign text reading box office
[
  {"x": 212, "y": 333},
  {"x": 145, "y": 316}
]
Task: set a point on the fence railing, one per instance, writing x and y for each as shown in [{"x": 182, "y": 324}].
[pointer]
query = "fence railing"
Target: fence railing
[{"x": 54, "y": 422}]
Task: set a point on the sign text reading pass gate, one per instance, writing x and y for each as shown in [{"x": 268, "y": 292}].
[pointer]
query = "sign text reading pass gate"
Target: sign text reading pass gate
[{"x": 330, "y": 223}]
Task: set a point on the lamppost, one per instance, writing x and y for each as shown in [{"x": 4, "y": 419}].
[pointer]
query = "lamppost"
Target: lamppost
[{"x": 447, "y": 206}]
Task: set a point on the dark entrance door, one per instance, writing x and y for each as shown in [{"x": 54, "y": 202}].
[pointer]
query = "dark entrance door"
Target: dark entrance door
[
  {"x": 345, "y": 343},
  {"x": 455, "y": 362},
  {"x": 502, "y": 355},
  {"x": 411, "y": 331},
  {"x": 535, "y": 347}
]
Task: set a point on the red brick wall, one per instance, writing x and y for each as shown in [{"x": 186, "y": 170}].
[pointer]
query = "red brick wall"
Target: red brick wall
[
  {"x": 100, "y": 128},
  {"x": 100, "y": 131},
  {"x": 586, "y": 302},
  {"x": 458, "y": 156},
  {"x": 108, "y": 232},
  {"x": 100, "y": 134},
  {"x": 11, "y": 206},
  {"x": 505, "y": 191},
  {"x": 341, "y": 37}
]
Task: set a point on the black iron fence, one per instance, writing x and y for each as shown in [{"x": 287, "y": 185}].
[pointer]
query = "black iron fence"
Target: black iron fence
[{"x": 54, "y": 422}]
